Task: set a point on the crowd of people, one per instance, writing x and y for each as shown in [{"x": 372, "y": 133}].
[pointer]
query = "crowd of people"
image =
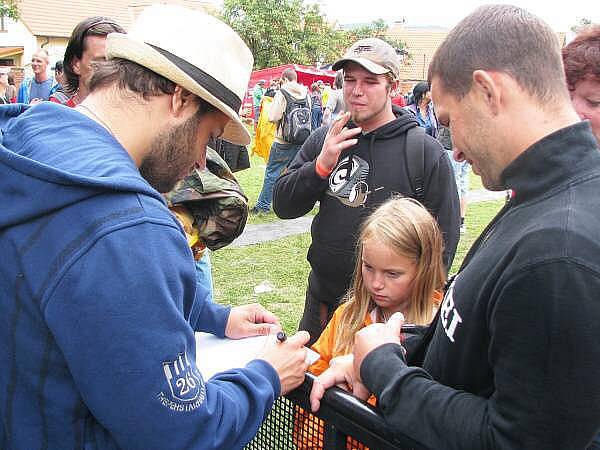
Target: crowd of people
[{"x": 106, "y": 275}]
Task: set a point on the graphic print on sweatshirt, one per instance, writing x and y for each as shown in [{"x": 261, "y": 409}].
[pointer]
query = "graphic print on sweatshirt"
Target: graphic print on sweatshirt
[
  {"x": 186, "y": 389},
  {"x": 449, "y": 315},
  {"x": 348, "y": 181}
]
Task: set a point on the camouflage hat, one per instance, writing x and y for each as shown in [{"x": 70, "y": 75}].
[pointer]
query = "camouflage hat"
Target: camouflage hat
[{"x": 374, "y": 55}]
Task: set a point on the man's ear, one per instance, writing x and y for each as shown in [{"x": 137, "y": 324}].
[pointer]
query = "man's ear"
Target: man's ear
[
  {"x": 394, "y": 87},
  {"x": 182, "y": 100},
  {"x": 76, "y": 66},
  {"x": 488, "y": 88}
]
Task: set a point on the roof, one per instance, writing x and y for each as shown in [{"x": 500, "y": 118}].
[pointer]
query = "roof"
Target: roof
[
  {"x": 57, "y": 18},
  {"x": 5, "y": 52},
  {"x": 421, "y": 44}
]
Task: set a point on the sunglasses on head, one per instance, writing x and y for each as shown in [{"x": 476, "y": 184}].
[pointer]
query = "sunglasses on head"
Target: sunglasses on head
[{"x": 96, "y": 23}]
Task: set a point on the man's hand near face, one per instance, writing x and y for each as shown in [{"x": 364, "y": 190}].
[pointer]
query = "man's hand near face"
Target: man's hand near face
[{"x": 338, "y": 139}]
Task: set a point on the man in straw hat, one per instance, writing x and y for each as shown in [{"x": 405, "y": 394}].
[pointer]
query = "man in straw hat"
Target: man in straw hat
[
  {"x": 97, "y": 311},
  {"x": 513, "y": 360}
]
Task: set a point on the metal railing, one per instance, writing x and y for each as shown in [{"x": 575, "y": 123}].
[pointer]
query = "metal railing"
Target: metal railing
[{"x": 342, "y": 422}]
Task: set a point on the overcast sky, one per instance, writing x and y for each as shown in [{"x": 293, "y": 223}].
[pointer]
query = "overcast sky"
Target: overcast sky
[{"x": 561, "y": 15}]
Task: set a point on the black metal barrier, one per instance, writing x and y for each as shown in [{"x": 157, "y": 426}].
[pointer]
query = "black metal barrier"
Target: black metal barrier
[{"x": 342, "y": 422}]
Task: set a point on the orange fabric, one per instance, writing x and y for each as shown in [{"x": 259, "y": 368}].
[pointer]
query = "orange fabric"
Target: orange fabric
[
  {"x": 438, "y": 296},
  {"x": 325, "y": 343},
  {"x": 308, "y": 429}
]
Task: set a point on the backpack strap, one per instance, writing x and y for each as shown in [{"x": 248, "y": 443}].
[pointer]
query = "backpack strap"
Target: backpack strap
[
  {"x": 288, "y": 98},
  {"x": 291, "y": 100},
  {"x": 415, "y": 161}
]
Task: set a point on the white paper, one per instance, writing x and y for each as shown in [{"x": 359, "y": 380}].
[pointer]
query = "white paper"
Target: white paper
[{"x": 214, "y": 355}]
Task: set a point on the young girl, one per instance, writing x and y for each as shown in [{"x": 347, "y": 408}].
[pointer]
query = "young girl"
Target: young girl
[{"x": 399, "y": 268}]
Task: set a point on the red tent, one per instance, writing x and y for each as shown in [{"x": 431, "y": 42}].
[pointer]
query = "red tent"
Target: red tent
[{"x": 306, "y": 75}]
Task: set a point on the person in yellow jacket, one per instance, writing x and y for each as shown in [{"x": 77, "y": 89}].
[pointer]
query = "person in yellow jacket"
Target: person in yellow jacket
[
  {"x": 399, "y": 268},
  {"x": 265, "y": 130}
]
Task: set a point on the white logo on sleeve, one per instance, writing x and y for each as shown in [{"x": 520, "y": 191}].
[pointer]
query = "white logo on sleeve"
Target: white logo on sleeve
[
  {"x": 449, "y": 314},
  {"x": 186, "y": 387}
]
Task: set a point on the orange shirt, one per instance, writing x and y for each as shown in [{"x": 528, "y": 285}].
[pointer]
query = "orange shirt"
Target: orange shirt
[
  {"x": 325, "y": 343},
  {"x": 308, "y": 429}
]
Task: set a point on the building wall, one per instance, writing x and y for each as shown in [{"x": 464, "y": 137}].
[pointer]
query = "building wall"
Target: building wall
[
  {"x": 55, "y": 46},
  {"x": 17, "y": 35}
]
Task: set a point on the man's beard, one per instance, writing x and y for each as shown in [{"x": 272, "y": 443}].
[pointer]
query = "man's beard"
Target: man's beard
[
  {"x": 170, "y": 157},
  {"x": 360, "y": 117}
]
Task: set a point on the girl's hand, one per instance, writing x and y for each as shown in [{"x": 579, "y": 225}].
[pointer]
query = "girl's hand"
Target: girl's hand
[{"x": 341, "y": 373}]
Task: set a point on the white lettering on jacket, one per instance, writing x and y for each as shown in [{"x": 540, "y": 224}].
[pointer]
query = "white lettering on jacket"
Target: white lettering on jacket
[{"x": 449, "y": 314}]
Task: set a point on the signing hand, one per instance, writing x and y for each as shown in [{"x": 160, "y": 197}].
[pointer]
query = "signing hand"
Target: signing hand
[
  {"x": 251, "y": 320},
  {"x": 338, "y": 139},
  {"x": 288, "y": 358}
]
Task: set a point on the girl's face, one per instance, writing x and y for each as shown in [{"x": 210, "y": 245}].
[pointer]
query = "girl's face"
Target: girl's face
[{"x": 387, "y": 275}]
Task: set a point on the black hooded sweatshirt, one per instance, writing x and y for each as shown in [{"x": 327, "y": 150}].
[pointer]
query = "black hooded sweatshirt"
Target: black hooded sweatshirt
[{"x": 376, "y": 164}]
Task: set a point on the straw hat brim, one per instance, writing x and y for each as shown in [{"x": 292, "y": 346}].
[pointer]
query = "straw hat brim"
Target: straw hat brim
[{"x": 123, "y": 46}]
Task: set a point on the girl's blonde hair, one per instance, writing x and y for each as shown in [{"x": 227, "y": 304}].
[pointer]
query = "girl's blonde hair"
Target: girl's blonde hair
[{"x": 405, "y": 226}]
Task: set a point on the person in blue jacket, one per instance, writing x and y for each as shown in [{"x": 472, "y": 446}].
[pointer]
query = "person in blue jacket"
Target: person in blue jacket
[
  {"x": 98, "y": 305},
  {"x": 423, "y": 110},
  {"x": 41, "y": 86}
]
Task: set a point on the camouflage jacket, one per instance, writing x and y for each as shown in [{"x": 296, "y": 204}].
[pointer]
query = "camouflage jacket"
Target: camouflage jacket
[{"x": 215, "y": 200}]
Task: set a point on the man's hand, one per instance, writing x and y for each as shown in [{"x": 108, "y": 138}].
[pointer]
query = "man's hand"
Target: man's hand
[
  {"x": 250, "y": 320},
  {"x": 288, "y": 358},
  {"x": 341, "y": 372},
  {"x": 373, "y": 336},
  {"x": 345, "y": 371},
  {"x": 338, "y": 139}
]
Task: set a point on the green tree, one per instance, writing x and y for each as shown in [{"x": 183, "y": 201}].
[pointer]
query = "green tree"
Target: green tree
[
  {"x": 379, "y": 29},
  {"x": 287, "y": 31},
  {"x": 9, "y": 8},
  {"x": 269, "y": 28},
  {"x": 318, "y": 42}
]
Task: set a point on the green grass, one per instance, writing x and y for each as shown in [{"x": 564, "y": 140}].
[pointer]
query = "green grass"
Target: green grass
[
  {"x": 474, "y": 182},
  {"x": 282, "y": 264},
  {"x": 251, "y": 181},
  {"x": 478, "y": 216}
]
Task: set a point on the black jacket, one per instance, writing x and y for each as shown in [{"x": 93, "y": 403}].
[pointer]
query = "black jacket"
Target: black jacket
[
  {"x": 515, "y": 354},
  {"x": 379, "y": 160}
]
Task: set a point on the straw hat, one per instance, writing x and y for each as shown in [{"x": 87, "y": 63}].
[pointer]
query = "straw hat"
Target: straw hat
[{"x": 195, "y": 51}]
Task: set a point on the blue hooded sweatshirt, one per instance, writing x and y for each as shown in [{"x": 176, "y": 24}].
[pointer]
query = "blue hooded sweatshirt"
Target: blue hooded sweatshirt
[{"x": 97, "y": 310}]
